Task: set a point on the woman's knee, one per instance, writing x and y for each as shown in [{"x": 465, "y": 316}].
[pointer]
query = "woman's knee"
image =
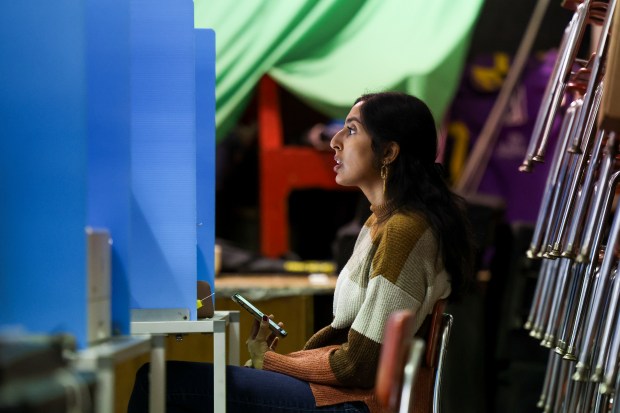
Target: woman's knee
[
  {"x": 138, "y": 402},
  {"x": 142, "y": 376}
]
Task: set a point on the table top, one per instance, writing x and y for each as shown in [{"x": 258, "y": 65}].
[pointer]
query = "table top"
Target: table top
[
  {"x": 116, "y": 349},
  {"x": 265, "y": 286},
  {"x": 203, "y": 325}
]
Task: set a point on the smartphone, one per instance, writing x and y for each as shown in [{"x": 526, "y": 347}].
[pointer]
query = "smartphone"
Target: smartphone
[{"x": 239, "y": 299}]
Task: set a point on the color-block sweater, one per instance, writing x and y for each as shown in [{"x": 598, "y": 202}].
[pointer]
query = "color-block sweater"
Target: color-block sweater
[{"x": 395, "y": 265}]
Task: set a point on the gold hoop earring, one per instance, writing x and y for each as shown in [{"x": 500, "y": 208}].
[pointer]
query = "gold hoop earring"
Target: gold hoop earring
[{"x": 384, "y": 174}]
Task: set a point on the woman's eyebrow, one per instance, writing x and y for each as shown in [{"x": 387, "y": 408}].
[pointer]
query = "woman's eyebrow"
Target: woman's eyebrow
[{"x": 353, "y": 119}]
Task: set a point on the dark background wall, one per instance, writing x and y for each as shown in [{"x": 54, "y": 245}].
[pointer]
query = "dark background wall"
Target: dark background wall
[{"x": 502, "y": 24}]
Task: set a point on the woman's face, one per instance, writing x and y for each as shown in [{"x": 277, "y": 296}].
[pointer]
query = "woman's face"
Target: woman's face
[{"x": 355, "y": 159}]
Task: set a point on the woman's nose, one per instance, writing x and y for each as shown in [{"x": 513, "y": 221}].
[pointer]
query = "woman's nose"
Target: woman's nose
[{"x": 335, "y": 142}]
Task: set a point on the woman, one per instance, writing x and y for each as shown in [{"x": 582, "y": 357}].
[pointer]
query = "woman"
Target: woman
[{"x": 413, "y": 250}]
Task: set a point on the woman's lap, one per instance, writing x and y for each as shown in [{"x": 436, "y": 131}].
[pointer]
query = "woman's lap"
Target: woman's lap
[{"x": 190, "y": 388}]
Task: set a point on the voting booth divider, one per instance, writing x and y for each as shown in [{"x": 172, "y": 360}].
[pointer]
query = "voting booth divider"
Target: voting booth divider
[{"x": 107, "y": 149}]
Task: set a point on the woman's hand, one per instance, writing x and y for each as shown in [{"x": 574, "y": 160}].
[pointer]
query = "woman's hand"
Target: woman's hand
[{"x": 261, "y": 340}]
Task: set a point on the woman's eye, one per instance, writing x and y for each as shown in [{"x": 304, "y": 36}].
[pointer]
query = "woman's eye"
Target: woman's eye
[{"x": 351, "y": 131}]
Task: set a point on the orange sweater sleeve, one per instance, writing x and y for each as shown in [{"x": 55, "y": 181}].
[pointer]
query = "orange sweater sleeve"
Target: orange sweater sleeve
[{"x": 308, "y": 365}]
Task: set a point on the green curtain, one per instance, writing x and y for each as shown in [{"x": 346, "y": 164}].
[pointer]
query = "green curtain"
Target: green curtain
[{"x": 328, "y": 52}]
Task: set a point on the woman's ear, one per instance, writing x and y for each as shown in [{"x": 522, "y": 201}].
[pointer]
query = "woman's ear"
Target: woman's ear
[{"x": 391, "y": 152}]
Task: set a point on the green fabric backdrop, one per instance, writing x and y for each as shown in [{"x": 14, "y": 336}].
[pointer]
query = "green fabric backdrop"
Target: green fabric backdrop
[{"x": 328, "y": 52}]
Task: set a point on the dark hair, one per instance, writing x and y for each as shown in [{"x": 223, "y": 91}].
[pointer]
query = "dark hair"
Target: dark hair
[{"x": 415, "y": 181}]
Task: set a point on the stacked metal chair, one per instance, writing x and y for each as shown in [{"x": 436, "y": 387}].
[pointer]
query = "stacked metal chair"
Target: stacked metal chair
[{"x": 575, "y": 310}]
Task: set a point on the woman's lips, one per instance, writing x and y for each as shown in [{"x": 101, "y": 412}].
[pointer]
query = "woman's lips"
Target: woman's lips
[{"x": 338, "y": 165}]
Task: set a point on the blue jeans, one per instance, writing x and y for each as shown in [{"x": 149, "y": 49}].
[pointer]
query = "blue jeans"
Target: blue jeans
[{"x": 189, "y": 388}]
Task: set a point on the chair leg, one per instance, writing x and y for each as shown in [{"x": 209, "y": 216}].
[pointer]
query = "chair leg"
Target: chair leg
[{"x": 443, "y": 348}]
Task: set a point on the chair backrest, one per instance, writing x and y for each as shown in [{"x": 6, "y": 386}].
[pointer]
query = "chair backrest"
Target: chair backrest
[
  {"x": 411, "y": 368},
  {"x": 433, "y": 336},
  {"x": 400, "y": 352}
]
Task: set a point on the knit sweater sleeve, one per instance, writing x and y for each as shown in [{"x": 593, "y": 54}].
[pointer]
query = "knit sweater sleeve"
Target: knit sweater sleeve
[{"x": 309, "y": 365}]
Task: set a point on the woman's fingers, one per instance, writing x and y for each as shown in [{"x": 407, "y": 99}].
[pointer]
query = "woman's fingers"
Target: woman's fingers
[
  {"x": 273, "y": 336},
  {"x": 273, "y": 344},
  {"x": 263, "y": 331},
  {"x": 254, "y": 331},
  {"x": 273, "y": 339}
]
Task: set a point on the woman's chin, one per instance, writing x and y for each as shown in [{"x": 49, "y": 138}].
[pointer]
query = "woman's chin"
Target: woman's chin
[{"x": 343, "y": 182}]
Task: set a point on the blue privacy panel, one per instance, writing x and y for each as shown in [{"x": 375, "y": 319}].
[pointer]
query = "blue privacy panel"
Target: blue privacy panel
[
  {"x": 43, "y": 167},
  {"x": 107, "y": 59},
  {"x": 205, "y": 153},
  {"x": 162, "y": 270}
]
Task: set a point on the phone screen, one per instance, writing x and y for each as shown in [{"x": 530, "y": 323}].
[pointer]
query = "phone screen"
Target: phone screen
[{"x": 239, "y": 299}]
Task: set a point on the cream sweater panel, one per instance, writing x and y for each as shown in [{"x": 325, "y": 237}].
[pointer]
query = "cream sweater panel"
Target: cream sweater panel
[{"x": 364, "y": 303}]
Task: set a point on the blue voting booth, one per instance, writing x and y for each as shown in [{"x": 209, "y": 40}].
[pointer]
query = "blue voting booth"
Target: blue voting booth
[{"x": 107, "y": 120}]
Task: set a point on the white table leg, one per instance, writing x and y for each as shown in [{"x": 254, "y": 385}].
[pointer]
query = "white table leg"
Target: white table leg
[
  {"x": 233, "y": 338},
  {"x": 219, "y": 366},
  {"x": 104, "y": 396},
  {"x": 157, "y": 393}
]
